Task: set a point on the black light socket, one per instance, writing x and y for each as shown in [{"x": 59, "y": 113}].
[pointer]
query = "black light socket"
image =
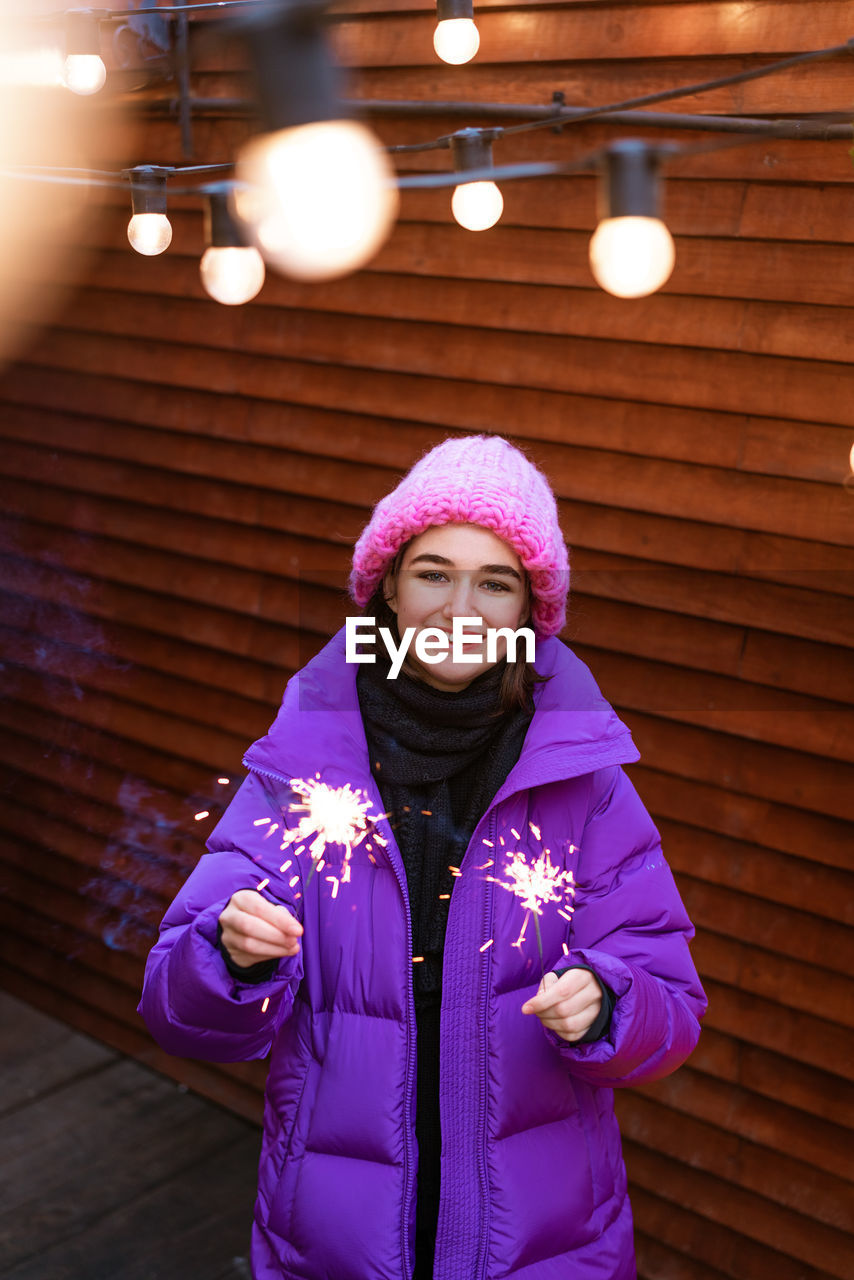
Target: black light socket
[
  {"x": 629, "y": 183},
  {"x": 148, "y": 188},
  {"x": 297, "y": 79},
  {"x": 447, "y": 10},
  {"x": 222, "y": 230},
  {"x": 472, "y": 148},
  {"x": 83, "y": 31}
]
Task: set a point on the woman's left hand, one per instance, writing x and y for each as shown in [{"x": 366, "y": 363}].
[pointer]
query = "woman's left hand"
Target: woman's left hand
[{"x": 568, "y": 1004}]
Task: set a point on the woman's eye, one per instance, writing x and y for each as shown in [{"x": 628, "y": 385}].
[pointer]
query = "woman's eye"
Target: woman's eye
[
  {"x": 432, "y": 575},
  {"x": 497, "y": 586}
]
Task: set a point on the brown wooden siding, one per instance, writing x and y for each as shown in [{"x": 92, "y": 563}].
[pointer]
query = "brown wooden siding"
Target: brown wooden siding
[{"x": 182, "y": 482}]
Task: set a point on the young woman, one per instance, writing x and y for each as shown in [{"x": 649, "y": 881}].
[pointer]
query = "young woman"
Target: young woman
[{"x": 433, "y": 1101}]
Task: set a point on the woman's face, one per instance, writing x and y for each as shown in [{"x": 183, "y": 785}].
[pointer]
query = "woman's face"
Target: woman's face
[{"x": 458, "y": 571}]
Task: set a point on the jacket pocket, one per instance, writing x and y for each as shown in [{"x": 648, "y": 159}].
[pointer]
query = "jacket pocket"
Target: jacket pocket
[{"x": 282, "y": 1203}]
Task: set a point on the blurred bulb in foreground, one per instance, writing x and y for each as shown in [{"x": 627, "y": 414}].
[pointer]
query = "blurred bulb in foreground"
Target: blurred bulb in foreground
[
  {"x": 456, "y": 40},
  {"x": 631, "y": 256},
  {"x": 150, "y": 233},
  {"x": 477, "y": 205},
  {"x": 84, "y": 73},
  {"x": 232, "y": 274},
  {"x": 318, "y": 199}
]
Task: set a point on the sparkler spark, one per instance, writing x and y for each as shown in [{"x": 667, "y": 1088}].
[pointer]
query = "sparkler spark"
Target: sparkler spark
[
  {"x": 205, "y": 813},
  {"x": 266, "y": 1004},
  {"x": 536, "y": 883},
  {"x": 329, "y": 816}
]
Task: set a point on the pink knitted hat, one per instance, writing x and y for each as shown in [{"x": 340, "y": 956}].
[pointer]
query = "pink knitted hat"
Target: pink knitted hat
[{"x": 481, "y": 480}]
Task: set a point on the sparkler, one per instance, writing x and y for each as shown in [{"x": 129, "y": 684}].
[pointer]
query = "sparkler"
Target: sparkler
[
  {"x": 333, "y": 815},
  {"x": 536, "y": 884}
]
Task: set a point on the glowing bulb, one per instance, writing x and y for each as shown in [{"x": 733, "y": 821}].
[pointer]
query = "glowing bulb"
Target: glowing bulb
[
  {"x": 150, "y": 233},
  {"x": 456, "y": 40},
  {"x": 85, "y": 73},
  {"x": 232, "y": 275},
  {"x": 631, "y": 257},
  {"x": 477, "y": 205},
  {"x": 318, "y": 199}
]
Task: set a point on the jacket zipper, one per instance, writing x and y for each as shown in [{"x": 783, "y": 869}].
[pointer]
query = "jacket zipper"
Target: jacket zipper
[
  {"x": 407, "y": 1090},
  {"x": 484, "y": 1006},
  {"x": 410, "y": 1022}
]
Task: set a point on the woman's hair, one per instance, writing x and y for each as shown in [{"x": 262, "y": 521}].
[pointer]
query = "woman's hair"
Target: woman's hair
[{"x": 519, "y": 678}]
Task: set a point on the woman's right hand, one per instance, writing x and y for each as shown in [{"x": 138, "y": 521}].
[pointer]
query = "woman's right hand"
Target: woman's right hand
[{"x": 254, "y": 929}]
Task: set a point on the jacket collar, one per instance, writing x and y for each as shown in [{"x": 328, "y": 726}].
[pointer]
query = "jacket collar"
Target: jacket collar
[{"x": 319, "y": 726}]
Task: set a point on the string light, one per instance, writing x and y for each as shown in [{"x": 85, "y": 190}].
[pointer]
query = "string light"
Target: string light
[
  {"x": 149, "y": 230},
  {"x": 631, "y": 252},
  {"x": 475, "y": 205},
  {"x": 232, "y": 272},
  {"x": 456, "y": 39},
  {"x": 84, "y": 71},
  {"x": 316, "y": 192}
]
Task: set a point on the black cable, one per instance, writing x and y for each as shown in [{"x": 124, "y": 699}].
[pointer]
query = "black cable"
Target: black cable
[
  {"x": 23, "y": 170},
  {"x": 182, "y": 8},
  {"x": 686, "y": 90},
  {"x": 667, "y": 151},
  {"x": 438, "y": 144},
  {"x": 110, "y": 15},
  {"x": 576, "y": 115}
]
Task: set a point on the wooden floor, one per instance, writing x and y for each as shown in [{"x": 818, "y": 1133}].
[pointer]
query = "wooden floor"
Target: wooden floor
[{"x": 109, "y": 1171}]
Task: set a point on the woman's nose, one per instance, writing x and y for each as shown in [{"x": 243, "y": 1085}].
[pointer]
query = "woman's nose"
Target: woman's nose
[{"x": 459, "y": 601}]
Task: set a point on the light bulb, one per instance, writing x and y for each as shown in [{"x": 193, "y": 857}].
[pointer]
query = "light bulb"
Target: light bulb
[
  {"x": 318, "y": 200},
  {"x": 456, "y": 40},
  {"x": 477, "y": 205},
  {"x": 631, "y": 256},
  {"x": 85, "y": 73},
  {"x": 150, "y": 233},
  {"x": 231, "y": 274}
]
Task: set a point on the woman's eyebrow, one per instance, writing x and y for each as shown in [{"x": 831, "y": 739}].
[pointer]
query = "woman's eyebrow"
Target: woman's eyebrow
[
  {"x": 432, "y": 558},
  {"x": 500, "y": 568}
]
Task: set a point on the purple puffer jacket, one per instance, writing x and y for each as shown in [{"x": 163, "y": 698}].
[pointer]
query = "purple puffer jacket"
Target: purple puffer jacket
[{"x": 533, "y": 1184}]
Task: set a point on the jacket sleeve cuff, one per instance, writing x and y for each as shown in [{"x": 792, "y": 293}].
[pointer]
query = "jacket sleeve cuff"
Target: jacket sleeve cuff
[
  {"x": 653, "y": 1027},
  {"x": 253, "y": 973},
  {"x": 203, "y": 994},
  {"x": 602, "y": 1025}
]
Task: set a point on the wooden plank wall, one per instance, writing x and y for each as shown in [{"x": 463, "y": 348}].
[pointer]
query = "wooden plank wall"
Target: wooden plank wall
[{"x": 182, "y": 481}]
